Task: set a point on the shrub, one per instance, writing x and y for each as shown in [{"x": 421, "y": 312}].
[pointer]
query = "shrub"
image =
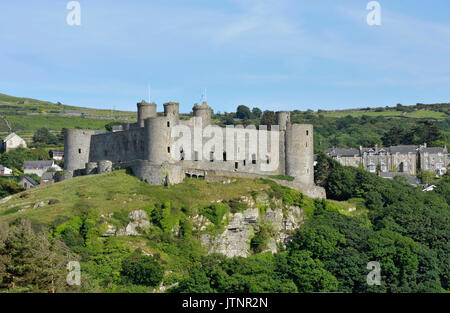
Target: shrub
[{"x": 215, "y": 212}]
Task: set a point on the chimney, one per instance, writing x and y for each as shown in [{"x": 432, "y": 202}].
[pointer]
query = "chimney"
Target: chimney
[
  {"x": 376, "y": 148},
  {"x": 425, "y": 144}
]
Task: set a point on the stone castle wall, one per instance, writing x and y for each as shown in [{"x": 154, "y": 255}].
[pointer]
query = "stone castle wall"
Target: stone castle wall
[{"x": 155, "y": 156}]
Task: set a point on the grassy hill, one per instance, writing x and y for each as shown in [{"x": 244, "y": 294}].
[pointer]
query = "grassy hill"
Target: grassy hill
[
  {"x": 25, "y": 115},
  {"x": 118, "y": 191}
]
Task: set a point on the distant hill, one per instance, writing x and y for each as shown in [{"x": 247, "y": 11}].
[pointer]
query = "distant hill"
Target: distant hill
[{"x": 25, "y": 115}]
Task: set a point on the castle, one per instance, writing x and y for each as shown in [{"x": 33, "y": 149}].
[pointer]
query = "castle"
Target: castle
[{"x": 151, "y": 149}]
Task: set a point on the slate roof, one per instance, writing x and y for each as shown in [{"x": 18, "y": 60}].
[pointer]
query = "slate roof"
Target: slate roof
[
  {"x": 342, "y": 152},
  {"x": 48, "y": 175},
  {"x": 434, "y": 150},
  {"x": 9, "y": 136},
  {"x": 413, "y": 180},
  {"x": 31, "y": 180},
  {"x": 38, "y": 164},
  {"x": 403, "y": 149}
]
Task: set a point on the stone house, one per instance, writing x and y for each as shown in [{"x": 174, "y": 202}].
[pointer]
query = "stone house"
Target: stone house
[
  {"x": 47, "y": 178},
  {"x": 28, "y": 182},
  {"x": 434, "y": 159},
  {"x": 12, "y": 141},
  {"x": 401, "y": 159},
  {"x": 375, "y": 159},
  {"x": 404, "y": 159},
  {"x": 346, "y": 157}
]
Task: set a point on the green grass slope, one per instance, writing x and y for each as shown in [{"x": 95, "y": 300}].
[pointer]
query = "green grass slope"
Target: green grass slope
[{"x": 116, "y": 191}]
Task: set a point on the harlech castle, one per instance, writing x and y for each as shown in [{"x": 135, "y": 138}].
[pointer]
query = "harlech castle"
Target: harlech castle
[{"x": 150, "y": 149}]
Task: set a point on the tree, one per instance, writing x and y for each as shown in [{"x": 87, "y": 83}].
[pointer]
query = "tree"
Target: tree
[
  {"x": 33, "y": 262},
  {"x": 243, "y": 112},
  {"x": 309, "y": 274},
  {"x": 256, "y": 113},
  {"x": 43, "y": 136},
  {"x": 142, "y": 270},
  {"x": 269, "y": 118},
  {"x": 109, "y": 126},
  {"x": 394, "y": 136}
]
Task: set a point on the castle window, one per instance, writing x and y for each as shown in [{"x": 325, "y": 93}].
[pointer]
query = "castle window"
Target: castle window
[
  {"x": 195, "y": 155},
  {"x": 253, "y": 158},
  {"x": 211, "y": 156},
  {"x": 307, "y": 132},
  {"x": 79, "y": 150},
  {"x": 224, "y": 156},
  {"x": 236, "y": 165},
  {"x": 306, "y": 145},
  {"x": 168, "y": 124},
  {"x": 267, "y": 160},
  {"x": 168, "y": 149},
  {"x": 181, "y": 154},
  {"x": 245, "y": 162}
]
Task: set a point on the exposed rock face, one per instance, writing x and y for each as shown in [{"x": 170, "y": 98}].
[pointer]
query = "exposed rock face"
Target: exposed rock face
[
  {"x": 138, "y": 219},
  {"x": 235, "y": 240},
  {"x": 110, "y": 232},
  {"x": 39, "y": 204}
]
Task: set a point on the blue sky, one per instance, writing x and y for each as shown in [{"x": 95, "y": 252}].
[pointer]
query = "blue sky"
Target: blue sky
[{"x": 279, "y": 55}]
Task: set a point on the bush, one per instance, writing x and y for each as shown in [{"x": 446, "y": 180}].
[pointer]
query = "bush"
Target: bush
[{"x": 215, "y": 212}]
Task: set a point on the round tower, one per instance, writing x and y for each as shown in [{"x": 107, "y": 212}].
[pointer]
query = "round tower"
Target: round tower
[
  {"x": 300, "y": 153},
  {"x": 203, "y": 111},
  {"x": 145, "y": 110},
  {"x": 283, "y": 119},
  {"x": 77, "y": 144},
  {"x": 157, "y": 139},
  {"x": 171, "y": 112},
  {"x": 172, "y": 109}
]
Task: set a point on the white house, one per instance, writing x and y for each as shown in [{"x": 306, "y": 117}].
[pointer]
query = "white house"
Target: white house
[
  {"x": 4, "y": 171},
  {"x": 40, "y": 167},
  {"x": 12, "y": 141}
]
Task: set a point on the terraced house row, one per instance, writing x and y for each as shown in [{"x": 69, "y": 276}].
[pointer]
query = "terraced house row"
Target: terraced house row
[{"x": 406, "y": 159}]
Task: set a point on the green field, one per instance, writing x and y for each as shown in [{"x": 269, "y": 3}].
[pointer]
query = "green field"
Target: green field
[
  {"x": 118, "y": 191},
  {"x": 25, "y": 115},
  {"x": 414, "y": 114}
]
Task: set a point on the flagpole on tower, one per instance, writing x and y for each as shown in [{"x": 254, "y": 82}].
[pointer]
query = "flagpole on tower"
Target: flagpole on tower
[{"x": 149, "y": 89}]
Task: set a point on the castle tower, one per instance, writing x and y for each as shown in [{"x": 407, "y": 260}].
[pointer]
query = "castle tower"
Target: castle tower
[
  {"x": 145, "y": 110},
  {"x": 172, "y": 112},
  {"x": 299, "y": 147},
  {"x": 77, "y": 144},
  {"x": 283, "y": 119},
  {"x": 203, "y": 111},
  {"x": 157, "y": 139}
]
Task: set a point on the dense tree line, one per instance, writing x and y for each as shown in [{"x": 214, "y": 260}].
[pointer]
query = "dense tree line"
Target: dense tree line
[{"x": 406, "y": 231}]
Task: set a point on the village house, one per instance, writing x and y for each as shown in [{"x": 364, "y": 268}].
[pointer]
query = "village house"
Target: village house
[
  {"x": 28, "y": 182},
  {"x": 4, "y": 171},
  {"x": 12, "y": 141},
  {"x": 47, "y": 178},
  {"x": 39, "y": 167}
]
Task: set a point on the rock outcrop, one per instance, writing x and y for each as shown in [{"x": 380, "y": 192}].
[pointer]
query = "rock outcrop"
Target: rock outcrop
[
  {"x": 138, "y": 219},
  {"x": 242, "y": 226}
]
